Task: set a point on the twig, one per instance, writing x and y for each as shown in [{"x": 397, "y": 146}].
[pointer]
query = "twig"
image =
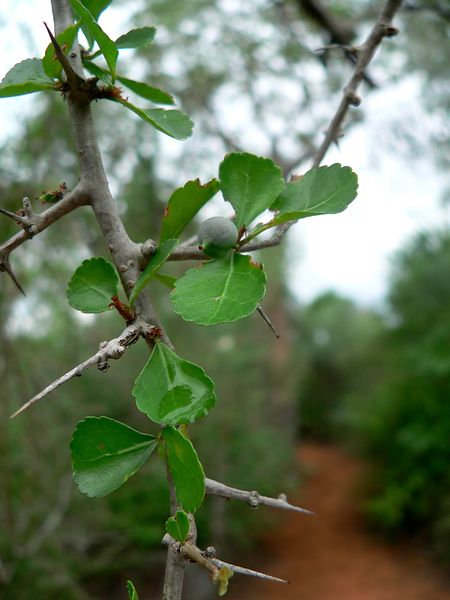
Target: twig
[
  {"x": 108, "y": 350},
  {"x": 253, "y": 498},
  {"x": 207, "y": 560},
  {"x": 38, "y": 222},
  {"x": 382, "y": 28}
]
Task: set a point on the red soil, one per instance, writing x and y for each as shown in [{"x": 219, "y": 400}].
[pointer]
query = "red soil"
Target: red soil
[{"x": 331, "y": 556}]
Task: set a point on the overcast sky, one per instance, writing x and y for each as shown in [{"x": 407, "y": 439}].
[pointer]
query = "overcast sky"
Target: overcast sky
[{"x": 350, "y": 252}]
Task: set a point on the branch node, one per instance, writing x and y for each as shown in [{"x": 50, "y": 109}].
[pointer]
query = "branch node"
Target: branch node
[
  {"x": 390, "y": 31},
  {"x": 253, "y": 499},
  {"x": 148, "y": 248},
  {"x": 27, "y": 208},
  {"x": 353, "y": 98},
  {"x": 210, "y": 552}
]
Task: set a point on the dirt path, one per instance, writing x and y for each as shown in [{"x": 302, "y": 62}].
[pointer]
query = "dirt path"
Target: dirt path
[{"x": 331, "y": 556}]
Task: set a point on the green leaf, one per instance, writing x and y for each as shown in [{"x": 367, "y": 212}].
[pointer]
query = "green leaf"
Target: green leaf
[
  {"x": 97, "y": 71},
  {"x": 106, "y": 45},
  {"x": 25, "y": 77},
  {"x": 184, "y": 204},
  {"x": 174, "y": 123},
  {"x": 20, "y": 89},
  {"x": 65, "y": 39},
  {"x": 105, "y": 453},
  {"x": 178, "y": 526},
  {"x": 167, "y": 280},
  {"x": 155, "y": 263},
  {"x": 132, "y": 593},
  {"x": 93, "y": 285},
  {"x": 171, "y": 390},
  {"x": 219, "y": 291},
  {"x": 136, "y": 38},
  {"x": 326, "y": 190},
  {"x": 222, "y": 578},
  {"x": 96, "y": 7},
  {"x": 26, "y": 71},
  {"x": 250, "y": 183},
  {"x": 186, "y": 469},
  {"x": 147, "y": 91}
]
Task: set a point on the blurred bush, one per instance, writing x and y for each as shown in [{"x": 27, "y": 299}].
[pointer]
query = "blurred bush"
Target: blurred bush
[
  {"x": 407, "y": 427},
  {"x": 381, "y": 385}
]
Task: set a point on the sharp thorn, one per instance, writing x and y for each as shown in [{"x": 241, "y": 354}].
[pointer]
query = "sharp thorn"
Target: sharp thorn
[
  {"x": 248, "y": 572},
  {"x": 260, "y": 309},
  {"x": 5, "y": 266},
  {"x": 12, "y": 215},
  {"x": 72, "y": 77}
]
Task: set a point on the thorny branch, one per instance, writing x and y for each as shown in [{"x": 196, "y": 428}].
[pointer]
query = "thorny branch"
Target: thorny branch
[
  {"x": 113, "y": 349},
  {"x": 382, "y": 28},
  {"x": 252, "y": 498},
  {"x": 33, "y": 223},
  {"x": 207, "y": 560}
]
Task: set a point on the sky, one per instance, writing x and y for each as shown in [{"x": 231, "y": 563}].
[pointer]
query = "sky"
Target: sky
[{"x": 350, "y": 252}]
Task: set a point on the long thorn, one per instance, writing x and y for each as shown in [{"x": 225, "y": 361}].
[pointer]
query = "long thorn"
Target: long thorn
[
  {"x": 252, "y": 498},
  {"x": 244, "y": 571},
  {"x": 6, "y": 267},
  {"x": 72, "y": 77},
  {"x": 260, "y": 309},
  {"x": 108, "y": 350},
  {"x": 13, "y": 215},
  {"x": 75, "y": 372}
]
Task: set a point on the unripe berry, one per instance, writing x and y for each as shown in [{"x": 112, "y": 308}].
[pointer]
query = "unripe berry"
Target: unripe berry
[{"x": 217, "y": 236}]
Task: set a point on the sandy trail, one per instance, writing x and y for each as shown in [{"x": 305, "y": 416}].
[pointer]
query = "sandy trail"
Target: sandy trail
[{"x": 331, "y": 556}]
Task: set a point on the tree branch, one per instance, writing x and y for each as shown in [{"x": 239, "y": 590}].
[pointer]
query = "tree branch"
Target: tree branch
[
  {"x": 253, "y": 498},
  {"x": 113, "y": 349},
  {"x": 38, "y": 222},
  {"x": 382, "y": 28},
  {"x": 125, "y": 254}
]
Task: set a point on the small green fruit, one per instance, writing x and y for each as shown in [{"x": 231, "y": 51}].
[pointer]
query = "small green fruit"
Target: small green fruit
[{"x": 217, "y": 236}]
